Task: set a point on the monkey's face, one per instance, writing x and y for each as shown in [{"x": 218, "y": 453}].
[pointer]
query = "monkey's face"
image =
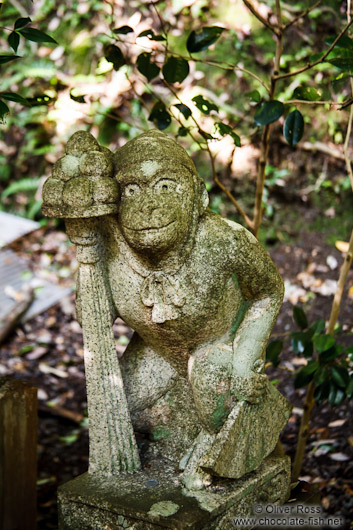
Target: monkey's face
[{"x": 156, "y": 207}]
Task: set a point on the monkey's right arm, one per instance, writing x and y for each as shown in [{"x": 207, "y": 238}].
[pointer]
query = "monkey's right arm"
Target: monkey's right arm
[{"x": 82, "y": 189}]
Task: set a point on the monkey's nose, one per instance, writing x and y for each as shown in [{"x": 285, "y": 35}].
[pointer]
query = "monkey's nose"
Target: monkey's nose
[{"x": 148, "y": 205}]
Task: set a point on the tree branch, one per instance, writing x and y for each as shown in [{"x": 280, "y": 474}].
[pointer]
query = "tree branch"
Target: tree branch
[
  {"x": 301, "y": 15},
  {"x": 321, "y": 60},
  {"x": 306, "y": 102},
  {"x": 227, "y": 192},
  {"x": 259, "y": 17}
]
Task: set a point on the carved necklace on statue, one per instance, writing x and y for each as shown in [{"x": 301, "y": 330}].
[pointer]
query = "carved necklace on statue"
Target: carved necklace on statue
[{"x": 159, "y": 290}]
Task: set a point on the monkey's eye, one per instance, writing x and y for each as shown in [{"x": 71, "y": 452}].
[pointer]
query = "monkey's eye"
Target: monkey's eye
[
  {"x": 131, "y": 190},
  {"x": 165, "y": 186}
]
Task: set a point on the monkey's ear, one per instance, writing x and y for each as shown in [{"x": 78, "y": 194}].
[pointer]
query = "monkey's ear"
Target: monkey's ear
[{"x": 203, "y": 200}]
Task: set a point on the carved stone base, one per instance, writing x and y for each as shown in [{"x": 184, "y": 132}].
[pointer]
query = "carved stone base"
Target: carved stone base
[{"x": 155, "y": 499}]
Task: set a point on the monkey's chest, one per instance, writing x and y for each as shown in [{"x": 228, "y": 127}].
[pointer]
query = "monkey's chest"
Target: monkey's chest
[{"x": 175, "y": 312}]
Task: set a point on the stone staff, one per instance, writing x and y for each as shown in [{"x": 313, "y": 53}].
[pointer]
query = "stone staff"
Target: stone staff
[{"x": 82, "y": 191}]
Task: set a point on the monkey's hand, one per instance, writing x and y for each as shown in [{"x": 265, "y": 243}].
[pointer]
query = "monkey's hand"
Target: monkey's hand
[
  {"x": 253, "y": 387},
  {"x": 82, "y": 183}
]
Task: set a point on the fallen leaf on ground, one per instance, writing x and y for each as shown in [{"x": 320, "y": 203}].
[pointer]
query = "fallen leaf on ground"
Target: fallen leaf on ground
[
  {"x": 294, "y": 293},
  {"x": 325, "y": 501},
  {"x": 339, "y": 457},
  {"x": 332, "y": 262},
  {"x": 46, "y": 369},
  {"x": 327, "y": 288},
  {"x": 337, "y": 423},
  {"x": 37, "y": 353},
  {"x": 42, "y": 395},
  {"x": 342, "y": 246},
  {"x": 324, "y": 442}
]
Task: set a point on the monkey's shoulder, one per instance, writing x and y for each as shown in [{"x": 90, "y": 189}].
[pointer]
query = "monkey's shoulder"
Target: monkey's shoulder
[{"x": 221, "y": 237}]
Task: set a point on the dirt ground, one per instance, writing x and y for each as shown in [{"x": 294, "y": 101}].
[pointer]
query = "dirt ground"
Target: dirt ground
[{"x": 47, "y": 351}]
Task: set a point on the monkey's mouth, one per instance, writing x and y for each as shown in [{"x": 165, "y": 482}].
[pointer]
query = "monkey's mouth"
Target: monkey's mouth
[{"x": 149, "y": 228}]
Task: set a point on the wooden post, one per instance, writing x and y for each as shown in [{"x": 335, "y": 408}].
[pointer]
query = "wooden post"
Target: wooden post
[{"x": 18, "y": 455}]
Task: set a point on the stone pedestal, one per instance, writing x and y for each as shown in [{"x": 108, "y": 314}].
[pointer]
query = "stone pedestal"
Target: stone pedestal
[{"x": 155, "y": 499}]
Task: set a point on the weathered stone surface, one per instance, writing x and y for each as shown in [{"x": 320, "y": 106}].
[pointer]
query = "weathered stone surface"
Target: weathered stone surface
[
  {"x": 82, "y": 184},
  {"x": 202, "y": 296},
  {"x": 155, "y": 499}
]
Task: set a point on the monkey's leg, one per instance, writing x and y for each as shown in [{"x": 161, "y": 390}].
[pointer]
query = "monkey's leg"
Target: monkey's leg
[
  {"x": 210, "y": 379},
  {"x": 147, "y": 376}
]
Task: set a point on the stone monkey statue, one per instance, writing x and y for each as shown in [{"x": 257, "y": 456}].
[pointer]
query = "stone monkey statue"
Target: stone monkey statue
[{"x": 199, "y": 291}]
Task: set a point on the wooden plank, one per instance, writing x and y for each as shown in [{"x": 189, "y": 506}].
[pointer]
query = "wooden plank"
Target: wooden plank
[
  {"x": 12, "y": 227},
  {"x": 18, "y": 455},
  {"x": 12, "y": 274}
]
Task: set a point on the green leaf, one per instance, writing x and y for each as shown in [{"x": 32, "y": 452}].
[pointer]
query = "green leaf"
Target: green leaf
[
  {"x": 160, "y": 116},
  {"x": 204, "y": 105},
  {"x": 322, "y": 391},
  {"x": 273, "y": 350},
  {"x": 175, "y": 69},
  {"x": 321, "y": 375},
  {"x": 7, "y": 58},
  {"x": 4, "y": 109},
  {"x": 145, "y": 33},
  {"x": 318, "y": 326},
  {"x": 158, "y": 37},
  {"x": 307, "y": 93},
  {"x": 323, "y": 343},
  {"x": 36, "y": 35},
  {"x": 182, "y": 131},
  {"x": 150, "y": 34},
  {"x": 343, "y": 63},
  {"x": 302, "y": 343},
  {"x": 78, "y": 99},
  {"x": 308, "y": 350},
  {"x": 269, "y": 112},
  {"x": 254, "y": 95},
  {"x": 344, "y": 42},
  {"x": 336, "y": 395},
  {"x": 24, "y": 185},
  {"x": 293, "y": 128},
  {"x": 21, "y": 22},
  {"x": 340, "y": 375},
  {"x": 184, "y": 109},
  {"x": 202, "y": 38},
  {"x": 114, "y": 55},
  {"x": 206, "y": 135},
  {"x": 306, "y": 374},
  {"x": 40, "y": 100},
  {"x": 70, "y": 438},
  {"x": 330, "y": 355},
  {"x": 300, "y": 317},
  {"x": 12, "y": 96},
  {"x": 236, "y": 139},
  {"x": 14, "y": 40},
  {"x": 144, "y": 65},
  {"x": 25, "y": 349},
  {"x": 123, "y": 30},
  {"x": 349, "y": 389},
  {"x": 224, "y": 129},
  {"x": 340, "y": 396}
]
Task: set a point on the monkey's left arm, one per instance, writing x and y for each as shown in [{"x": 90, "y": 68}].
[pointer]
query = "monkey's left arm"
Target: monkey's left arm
[{"x": 262, "y": 290}]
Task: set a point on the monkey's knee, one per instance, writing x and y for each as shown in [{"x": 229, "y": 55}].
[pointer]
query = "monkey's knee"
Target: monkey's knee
[
  {"x": 210, "y": 377},
  {"x": 146, "y": 375}
]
